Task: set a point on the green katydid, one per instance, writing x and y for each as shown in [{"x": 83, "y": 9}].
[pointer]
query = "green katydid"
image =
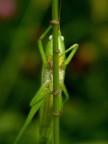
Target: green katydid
[{"x": 43, "y": 99}]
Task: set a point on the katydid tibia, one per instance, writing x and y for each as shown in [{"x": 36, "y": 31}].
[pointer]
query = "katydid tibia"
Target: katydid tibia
[{"x": 43, "y": 99}]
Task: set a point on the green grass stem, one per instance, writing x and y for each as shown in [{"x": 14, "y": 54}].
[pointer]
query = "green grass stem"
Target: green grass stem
[{"x": 55, "y": 72}]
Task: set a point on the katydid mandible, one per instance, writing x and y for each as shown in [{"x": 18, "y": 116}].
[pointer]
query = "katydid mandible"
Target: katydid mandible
[{"x": 43, "y": 99}]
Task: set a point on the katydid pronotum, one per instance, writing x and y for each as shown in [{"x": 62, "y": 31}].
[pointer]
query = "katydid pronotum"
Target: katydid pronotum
[{"x": 43, "y": 99}]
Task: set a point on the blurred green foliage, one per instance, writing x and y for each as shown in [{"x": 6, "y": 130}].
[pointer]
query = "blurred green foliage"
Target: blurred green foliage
[{"x": 84, "y": 118}]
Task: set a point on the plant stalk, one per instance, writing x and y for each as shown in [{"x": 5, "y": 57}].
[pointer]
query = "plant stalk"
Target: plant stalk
[{"x": 55, "y": 72}]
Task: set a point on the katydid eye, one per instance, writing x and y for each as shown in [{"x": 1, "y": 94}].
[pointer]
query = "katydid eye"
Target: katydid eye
[
  {"x": 50, "y": 37},
  {"x": 62, "y": 38}
]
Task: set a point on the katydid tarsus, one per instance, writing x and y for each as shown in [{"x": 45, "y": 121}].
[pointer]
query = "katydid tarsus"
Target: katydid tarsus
[{"x": 43, "y": 99}]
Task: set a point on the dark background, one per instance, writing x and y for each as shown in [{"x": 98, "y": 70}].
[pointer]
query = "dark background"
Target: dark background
[{"x": 85, "y": 115}]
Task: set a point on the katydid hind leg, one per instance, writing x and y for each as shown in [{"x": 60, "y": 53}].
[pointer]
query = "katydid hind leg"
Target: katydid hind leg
[{"x": 35, "y": 105}]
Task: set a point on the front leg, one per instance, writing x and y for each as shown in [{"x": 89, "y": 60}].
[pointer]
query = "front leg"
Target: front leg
[
  {"x": 44, "y": 60},
  {"x": 71, "y": 55}
]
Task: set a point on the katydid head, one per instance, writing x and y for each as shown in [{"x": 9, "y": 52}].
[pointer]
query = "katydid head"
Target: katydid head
[{"x": 49, "y": 49}]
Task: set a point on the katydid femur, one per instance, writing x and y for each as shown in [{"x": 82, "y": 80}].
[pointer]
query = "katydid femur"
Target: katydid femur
[{"x": 43, "y": 99}]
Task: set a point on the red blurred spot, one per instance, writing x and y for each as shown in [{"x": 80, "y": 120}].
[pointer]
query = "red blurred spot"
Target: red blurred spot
[
  {"x": 84, "y": 59},
  {"x": 7, "y": 8}
]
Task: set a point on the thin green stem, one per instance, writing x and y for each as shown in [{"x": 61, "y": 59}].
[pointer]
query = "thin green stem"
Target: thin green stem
[{"x": 55, "y": 72}]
